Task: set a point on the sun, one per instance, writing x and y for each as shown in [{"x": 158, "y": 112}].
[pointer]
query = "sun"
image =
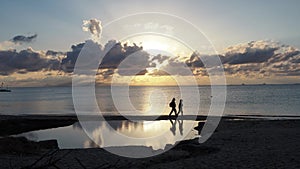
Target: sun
[
  {"x": 156, "y": 44},
  {"x": 148, "y": 45}
]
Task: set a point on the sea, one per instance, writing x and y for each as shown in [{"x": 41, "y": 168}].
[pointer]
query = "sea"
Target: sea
[
  {"x": 262, "y": 100},
  {"x": 240, "y": 100}
]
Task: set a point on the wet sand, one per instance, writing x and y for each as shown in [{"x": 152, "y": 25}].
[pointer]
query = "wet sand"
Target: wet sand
[{"x": 250, "y": 143}]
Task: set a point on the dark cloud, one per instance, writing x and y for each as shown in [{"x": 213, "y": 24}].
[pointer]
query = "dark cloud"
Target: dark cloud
[
  {"x": 250, "y": 59},
  {"x": 119, "y": 52},
  {"x": 251, "y": 56},
  {"x": 68, "y": 63},
  {"x": 256, "y": 58},
  {"x": 197, "y": 60},
  {"x": 115, "y": 55},
  {"x": 30, "y": 61},
  {"x": 25, "y": 61},
  {"x": 54, "y": 53},
  {"x": 23, "y": 39},
  {"x": 194, "y": 61},
  {"x": 252, "y": 52},
  {"x": 105, "y": 73},
  {"x": 253, "y": 59},
  {"x": 159, "y": 58},
  {"x": 134, "y": 64},
  {"x": 158, "y": 72},
  {"x": 142, "y": 72}
]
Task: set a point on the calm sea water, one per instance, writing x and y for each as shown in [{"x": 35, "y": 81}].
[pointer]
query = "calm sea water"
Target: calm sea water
[{"x": 241, "y": 100}]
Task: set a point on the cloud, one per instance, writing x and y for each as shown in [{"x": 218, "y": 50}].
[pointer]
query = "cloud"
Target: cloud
[
  {"x": 93, "y": 26},
  {"x": 7, "y": 45},
  {"x": 134, "y": 64},
  {"x": 55, "y": 53},
  {"x": 16, "y": 41},
  {"x": 19, "y": 39},
  {"x": 252, "y": 52},
  {"x": 24, "y": 61},
  {"x": 254, "y": 59},
  {"x": 198, "y": 60},
  {"x": 115, "y": 55},
  {"x": 263, "y": 59},
  {"x": 68, "y": 63}
]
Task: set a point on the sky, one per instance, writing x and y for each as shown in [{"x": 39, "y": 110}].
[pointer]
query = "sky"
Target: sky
[{"x": 256, "y": 41}]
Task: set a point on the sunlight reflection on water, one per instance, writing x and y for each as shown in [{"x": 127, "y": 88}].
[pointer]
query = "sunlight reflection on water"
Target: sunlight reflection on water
[{"x": 74, "y": 137}]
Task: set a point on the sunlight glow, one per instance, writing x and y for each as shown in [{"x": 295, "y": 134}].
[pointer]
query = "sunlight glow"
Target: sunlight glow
[{"x": 158, "y": 44}]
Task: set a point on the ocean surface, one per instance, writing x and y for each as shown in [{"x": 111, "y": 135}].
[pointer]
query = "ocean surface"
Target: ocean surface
[
  {"x": 274, "y": 100},
  {"x": 241, "y": 100}
]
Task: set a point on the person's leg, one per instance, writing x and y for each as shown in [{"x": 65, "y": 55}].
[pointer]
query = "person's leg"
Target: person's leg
[
  {"x": 171, "y": 112},
  {"x": 179, "y": 110}
]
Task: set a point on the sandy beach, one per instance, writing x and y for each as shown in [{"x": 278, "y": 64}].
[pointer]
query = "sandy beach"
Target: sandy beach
[{"x": 237, "y": 143}]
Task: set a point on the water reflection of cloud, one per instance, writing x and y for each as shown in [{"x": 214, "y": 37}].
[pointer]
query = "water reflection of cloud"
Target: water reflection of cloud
[{"x": 146, "y": 133}]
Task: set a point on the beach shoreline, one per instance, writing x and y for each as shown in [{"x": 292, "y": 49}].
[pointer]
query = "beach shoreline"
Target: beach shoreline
[{"x": 248, "y": 143}]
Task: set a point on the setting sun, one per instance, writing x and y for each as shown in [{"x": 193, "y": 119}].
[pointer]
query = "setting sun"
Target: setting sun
[{"x": 160, "y": 44}]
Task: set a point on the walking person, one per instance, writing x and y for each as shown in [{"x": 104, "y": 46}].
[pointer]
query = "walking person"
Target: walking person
[
  {"x": 180, "y": 107},
  {"x": 172, "y": 104}
]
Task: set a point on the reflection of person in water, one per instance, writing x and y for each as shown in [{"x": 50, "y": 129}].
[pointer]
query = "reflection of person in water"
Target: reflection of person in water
[
  {"x": 172, "y": 104},
  {"x": 180, "y": 106},
  {"x": 180, "y": 123},
  {"x": 173, "y": 127}
]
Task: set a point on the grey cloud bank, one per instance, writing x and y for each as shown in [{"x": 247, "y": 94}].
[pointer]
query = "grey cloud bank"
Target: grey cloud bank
[{"x": 256, "y": 58}]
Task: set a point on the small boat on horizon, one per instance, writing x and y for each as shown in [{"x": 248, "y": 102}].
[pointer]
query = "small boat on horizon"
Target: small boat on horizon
[{"x": 2, "y": 89}]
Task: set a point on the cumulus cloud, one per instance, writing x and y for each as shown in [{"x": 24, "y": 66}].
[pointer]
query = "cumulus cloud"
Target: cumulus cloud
[
  {"x": 7, "y": 45},
  {"x": 55, "y": 53},
  {"x": 252, "y": 52},
  {"x": 25, "y": 61},
  {"x": 198, "y": 60},
  {"x": 254, "y": 59},
  {"x": 261, "y": 58},
  {"x": 68, "y": 63},
  {"x": 93, "y": 26},
  {"x": 19, "y": 39},
  {"x": 117, "y": 52}
]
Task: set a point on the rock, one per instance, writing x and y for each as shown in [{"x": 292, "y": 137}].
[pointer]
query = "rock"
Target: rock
[{"x": 22, "y": 145}]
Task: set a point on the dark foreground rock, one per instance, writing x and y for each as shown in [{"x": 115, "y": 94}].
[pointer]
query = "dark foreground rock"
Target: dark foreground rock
[{"x": 20, "y": 145}]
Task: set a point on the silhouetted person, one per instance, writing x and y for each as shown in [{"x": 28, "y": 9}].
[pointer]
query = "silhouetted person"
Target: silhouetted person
[
  {"x": 180, "y": 106},
  {"x": 172, "y": 104}
]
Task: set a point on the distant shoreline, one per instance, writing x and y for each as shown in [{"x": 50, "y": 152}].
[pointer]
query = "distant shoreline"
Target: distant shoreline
[{"x": 242, "y": 84}]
